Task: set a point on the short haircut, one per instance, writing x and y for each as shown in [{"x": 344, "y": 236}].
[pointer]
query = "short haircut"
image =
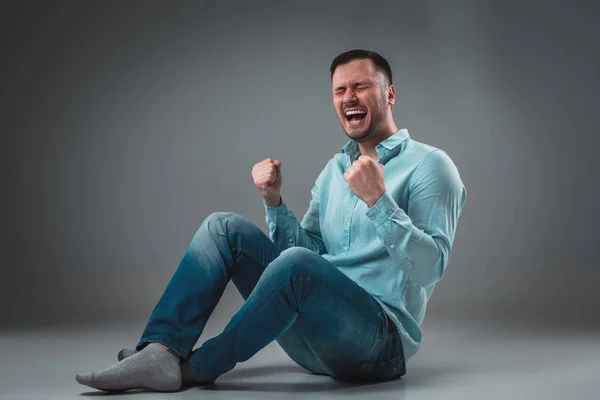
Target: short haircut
[{"x": 381, "y": 63}]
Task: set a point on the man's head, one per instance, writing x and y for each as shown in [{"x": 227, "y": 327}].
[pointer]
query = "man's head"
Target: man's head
[{"x": 363, "y": 94}]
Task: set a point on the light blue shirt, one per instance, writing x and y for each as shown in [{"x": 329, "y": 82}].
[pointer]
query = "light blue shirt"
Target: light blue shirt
[{"x": 398, "y": 249}]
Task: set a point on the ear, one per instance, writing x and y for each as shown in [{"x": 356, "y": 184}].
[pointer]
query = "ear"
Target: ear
[{"x": 391, "y": 95}]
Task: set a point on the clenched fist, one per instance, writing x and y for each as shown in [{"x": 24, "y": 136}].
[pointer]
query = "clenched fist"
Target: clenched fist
[
  {"x": 267, "y": 178},
  {"x": 365, "y": 177}
]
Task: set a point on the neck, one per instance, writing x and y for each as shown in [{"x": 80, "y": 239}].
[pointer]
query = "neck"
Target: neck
[{"x": 368, "y": 147}]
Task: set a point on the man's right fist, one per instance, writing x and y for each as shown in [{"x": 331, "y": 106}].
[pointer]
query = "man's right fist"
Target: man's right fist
[{"x": 267, "y": 178}]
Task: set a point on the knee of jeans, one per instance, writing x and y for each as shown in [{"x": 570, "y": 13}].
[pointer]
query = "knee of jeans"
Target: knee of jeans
[
  {"x": 220, "y": 215},
  {"x": 227, "y": 223},
  {"x": 297, "y": 261},
  {"x": 212, "y": 224}
]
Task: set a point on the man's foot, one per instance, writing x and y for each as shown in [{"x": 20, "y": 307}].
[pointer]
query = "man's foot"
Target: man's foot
[
  {"x": 124, "y": 353},
  {"x": 186, "y": 370},
  {"x": 153, "y": 368}
]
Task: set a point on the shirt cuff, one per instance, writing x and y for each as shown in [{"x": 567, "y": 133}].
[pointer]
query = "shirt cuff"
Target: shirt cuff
[
  {"x": 275, "y": 212},
  {"x": 382, "y": 209}
]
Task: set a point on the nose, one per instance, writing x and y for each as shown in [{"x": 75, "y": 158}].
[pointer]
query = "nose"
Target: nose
[{"x": 349, "y": 96}]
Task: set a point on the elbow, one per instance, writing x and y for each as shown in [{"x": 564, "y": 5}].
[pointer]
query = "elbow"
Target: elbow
[
  {"x": 439, "y": 266},
  {"x": 436, "y": 270}
]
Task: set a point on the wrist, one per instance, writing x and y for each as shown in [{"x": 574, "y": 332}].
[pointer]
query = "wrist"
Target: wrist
[
  {"x": 272, "y": 201},
  {"x": 374, "y": 200}
]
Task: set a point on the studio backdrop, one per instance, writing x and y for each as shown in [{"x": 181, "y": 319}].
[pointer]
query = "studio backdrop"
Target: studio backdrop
[{"x": 125, "y": 124}]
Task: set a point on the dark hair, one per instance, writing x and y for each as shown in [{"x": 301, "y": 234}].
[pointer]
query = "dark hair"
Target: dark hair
[{"x": 381, "y": 63}]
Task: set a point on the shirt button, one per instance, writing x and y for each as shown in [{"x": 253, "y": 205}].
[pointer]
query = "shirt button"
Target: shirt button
[
  {"x": 391, "y": 246},
  {"x": 373, "y": 217},
  {"x": 291, "y": 240},
  {"x": 347, "y": 223}
]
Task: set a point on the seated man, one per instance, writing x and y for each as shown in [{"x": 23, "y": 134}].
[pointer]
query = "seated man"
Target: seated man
[{"x": 344, "y": 291}]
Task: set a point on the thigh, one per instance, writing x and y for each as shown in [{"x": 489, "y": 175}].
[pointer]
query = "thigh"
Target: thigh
[{"x": 342, "y": 331}]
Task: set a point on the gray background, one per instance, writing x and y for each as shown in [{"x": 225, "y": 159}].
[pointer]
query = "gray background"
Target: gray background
[{"x": 125, "y": 124}]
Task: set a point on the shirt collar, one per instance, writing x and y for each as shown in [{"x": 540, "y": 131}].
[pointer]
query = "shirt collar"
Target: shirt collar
[{"x": 384, "y": 147}]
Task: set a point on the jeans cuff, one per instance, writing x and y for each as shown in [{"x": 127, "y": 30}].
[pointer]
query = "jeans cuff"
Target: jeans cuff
[
  {"x": 198, "y": 377},
  {"x": 164, "y": 340}
]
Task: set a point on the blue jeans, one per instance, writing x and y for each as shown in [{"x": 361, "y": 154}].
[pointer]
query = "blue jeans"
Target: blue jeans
[{"x": 321, "y": 318}]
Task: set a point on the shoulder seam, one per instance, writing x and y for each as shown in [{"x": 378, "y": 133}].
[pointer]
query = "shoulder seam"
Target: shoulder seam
[{"x": 424, "y": 158}]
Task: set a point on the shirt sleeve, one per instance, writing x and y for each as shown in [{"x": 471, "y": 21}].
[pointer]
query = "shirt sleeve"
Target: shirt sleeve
[
  {"x": 420, "y": 239},
  {"x": 285, "y": 230}
]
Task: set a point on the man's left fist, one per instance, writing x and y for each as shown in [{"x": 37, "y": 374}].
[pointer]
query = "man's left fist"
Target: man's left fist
[{"x": 365, "y": 179}]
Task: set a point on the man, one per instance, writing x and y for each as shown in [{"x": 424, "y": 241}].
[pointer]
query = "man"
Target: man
[{"x": 344, "y": 291}]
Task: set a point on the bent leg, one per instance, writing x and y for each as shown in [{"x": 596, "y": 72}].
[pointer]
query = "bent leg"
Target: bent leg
[
  {"x": 344, "y": 325},
  {"x": 226, "y": 246},
  {"x": 190, "y": 297}
]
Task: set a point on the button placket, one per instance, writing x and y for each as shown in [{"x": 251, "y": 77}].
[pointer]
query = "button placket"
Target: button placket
[{"x": 347, "y": 224}]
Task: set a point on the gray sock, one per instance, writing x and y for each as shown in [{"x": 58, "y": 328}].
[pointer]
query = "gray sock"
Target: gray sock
[
  {"x": 152, "y": 368},
  {"x": 186, "y": 370},
  {"x": 124, "y": 353}
]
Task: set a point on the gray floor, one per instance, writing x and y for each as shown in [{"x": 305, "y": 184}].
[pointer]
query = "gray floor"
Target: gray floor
[{"x": 458, "y": 360}]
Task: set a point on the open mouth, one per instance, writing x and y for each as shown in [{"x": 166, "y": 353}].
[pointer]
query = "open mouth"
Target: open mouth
[{"x": 355, "y": 116}]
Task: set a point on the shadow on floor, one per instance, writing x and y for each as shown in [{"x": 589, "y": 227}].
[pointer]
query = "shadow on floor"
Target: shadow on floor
[{"x": 308, "y": 382}]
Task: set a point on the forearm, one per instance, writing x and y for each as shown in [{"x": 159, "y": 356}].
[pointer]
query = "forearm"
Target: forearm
[
  {"x": 421, "y": 256},
  {"x": 286, "y": 231}
]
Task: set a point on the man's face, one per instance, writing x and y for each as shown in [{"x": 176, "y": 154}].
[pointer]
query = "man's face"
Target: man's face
[{"x": 360, "y": 99}]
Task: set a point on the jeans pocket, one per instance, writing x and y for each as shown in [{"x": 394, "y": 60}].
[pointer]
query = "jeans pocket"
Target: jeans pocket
[
  {"x": 389, "y": 364},
  {"x": 393, "y": 368}
]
